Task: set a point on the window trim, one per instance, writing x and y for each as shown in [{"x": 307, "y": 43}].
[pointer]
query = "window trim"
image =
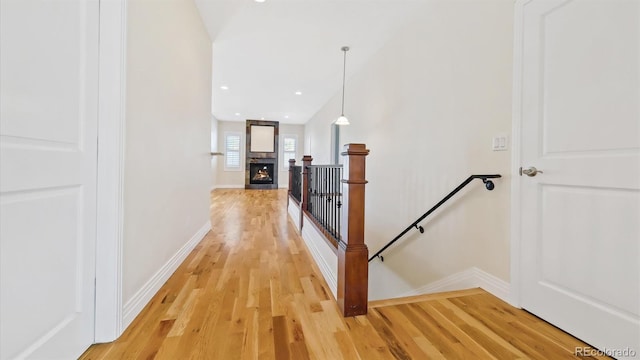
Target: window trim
[{"x": 226, "y": 151}]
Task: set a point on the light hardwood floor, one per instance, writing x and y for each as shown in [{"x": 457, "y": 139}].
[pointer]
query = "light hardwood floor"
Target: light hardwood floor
[{"x": 251, "y": 291}]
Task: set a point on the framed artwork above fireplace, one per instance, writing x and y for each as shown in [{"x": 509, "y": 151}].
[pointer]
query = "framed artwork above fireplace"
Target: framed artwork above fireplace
[{"x": 262, "y": 138}]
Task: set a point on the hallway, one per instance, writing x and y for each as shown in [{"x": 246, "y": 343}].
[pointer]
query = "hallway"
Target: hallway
[{"x": 251, "y": 291}]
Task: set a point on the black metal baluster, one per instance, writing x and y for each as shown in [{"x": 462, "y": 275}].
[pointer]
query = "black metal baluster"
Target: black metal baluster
[
  {"x": 312, "y": 185},
  {"x": 333, "y": 203},
  {"x": 320, "y": 202},
  {"x": 324, "y": 189},
  {"x": 340, "y": 201},
  {"x": 309, "y": 189},
  {"x": 315, "y": 191}
]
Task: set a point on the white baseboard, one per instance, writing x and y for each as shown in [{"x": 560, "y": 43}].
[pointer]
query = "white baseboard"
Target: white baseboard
[
  {"x": 494, "y": 285},
  {"x": 466, "y": 279},
  {"x": 323, "y": 255},
  {"x": 227, "y": 187},
  {"x": 294, "y": 213},
  {"x": 142, "y": 297}
]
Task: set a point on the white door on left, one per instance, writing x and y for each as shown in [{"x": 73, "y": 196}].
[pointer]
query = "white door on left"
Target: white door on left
[{"x": 48, "y": 134}]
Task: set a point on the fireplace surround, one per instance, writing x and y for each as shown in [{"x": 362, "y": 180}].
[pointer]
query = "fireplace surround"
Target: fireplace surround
[{"x": 261, "y": 170}]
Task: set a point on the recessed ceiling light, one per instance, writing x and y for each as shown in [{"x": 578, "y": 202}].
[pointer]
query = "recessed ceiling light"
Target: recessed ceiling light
[
  {"x": 298, "y": 92},
  {"x": 261, "y": 118},
  {"x": 224, "y": 87},
  {"x": 286, "y": 116},
  {"x": 237, "y": 114},
  {"x": 260, "y": 1}
]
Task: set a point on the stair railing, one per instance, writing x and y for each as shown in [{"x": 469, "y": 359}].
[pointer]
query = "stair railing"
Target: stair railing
[
  {"x": 295, "y": 181},
  {"x": 332, "y": 200},
  {"x": 487, "y": 183}
]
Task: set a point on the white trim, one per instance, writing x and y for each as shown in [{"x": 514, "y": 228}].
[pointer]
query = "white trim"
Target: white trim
[
  {"x": 494, "y": 285},
  {"x": 466, "y": 279},
  {"x": 516, "y": 143},
  {"x": 227, "y": 187},
  {"x": 142, "y": 297},
  {"x": 294, "y": 213},
  {"x": 110, "y": 170},
  {"x": 458, "y": 281},
  {"x": 327, "y": 263}
]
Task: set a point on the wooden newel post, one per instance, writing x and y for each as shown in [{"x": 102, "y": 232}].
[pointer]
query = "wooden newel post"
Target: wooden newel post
[
  {"x": 353, "y": 265},
  {"x": 306, "y": 161},
  {"x": 292, "y": 163}
]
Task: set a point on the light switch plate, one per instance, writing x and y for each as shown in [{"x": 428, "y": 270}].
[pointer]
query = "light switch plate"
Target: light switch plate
[{"x": 500, "y": 143}]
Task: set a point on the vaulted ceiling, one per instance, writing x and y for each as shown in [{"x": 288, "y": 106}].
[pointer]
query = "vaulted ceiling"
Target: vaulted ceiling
[{"x": 263, "y": 53}]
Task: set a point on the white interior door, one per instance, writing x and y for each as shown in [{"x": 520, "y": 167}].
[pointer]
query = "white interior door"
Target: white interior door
[
  {"x": 48, "y": 122},
  {"x": 578, "y": 101}
]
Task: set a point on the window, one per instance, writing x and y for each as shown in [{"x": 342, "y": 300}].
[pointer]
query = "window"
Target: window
[
  {"x": 232, "y": 151},
  {"x": 289, "y": 145},
  {"x": 335, "y": 144}
]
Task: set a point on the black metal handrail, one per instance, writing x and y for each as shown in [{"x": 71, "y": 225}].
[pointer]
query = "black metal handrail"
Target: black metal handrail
[{"x": 487, "y": 183}]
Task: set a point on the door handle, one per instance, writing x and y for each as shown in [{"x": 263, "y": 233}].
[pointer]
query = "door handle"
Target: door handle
[{"x": 530, "y": 171}]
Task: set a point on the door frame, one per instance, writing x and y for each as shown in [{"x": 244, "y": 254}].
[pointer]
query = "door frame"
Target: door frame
[
  {"x": 516, "y": 153},
  {"x": 110, "y": 176}
]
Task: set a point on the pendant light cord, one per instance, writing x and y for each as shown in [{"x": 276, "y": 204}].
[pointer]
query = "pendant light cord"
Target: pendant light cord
[{"x": 344, "y": 74}]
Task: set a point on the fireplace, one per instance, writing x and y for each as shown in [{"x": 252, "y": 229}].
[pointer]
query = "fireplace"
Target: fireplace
[
  {"x": 261, "y": 170},
  {"x": 260, "y": 173}
]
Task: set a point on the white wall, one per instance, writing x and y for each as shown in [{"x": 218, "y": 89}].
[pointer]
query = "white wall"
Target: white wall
[
  {"x": 235, "y": 179},
  {"x": 427, "y": 105},
  {"x": 168, "y": 125}
]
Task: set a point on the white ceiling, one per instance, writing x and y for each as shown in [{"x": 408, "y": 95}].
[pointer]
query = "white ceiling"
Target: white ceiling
[{"x": 265, "y": 52}]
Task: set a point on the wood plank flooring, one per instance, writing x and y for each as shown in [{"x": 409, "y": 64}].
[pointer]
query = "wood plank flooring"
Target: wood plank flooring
[{"x": 251, "y": 291}]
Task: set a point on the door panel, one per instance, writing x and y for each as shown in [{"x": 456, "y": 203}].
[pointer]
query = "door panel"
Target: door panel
[
  {"x": 570, "y": 264},
  {"x": 580, "y": 125},
  {"x": 48, "y": 133},
  {"x": 30, "y": 248},
  {"x": 577, "y": 37}
]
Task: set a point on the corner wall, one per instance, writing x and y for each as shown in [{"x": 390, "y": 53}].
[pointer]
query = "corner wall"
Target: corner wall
[
  {"x": 167, "y": 160},
  {"x": 427, "y": 105}
]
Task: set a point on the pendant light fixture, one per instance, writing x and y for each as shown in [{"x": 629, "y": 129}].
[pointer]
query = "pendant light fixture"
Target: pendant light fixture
[{"x": 342, "y": 120}]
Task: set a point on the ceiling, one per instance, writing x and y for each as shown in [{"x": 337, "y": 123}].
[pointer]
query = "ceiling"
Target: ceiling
[{"x": 266, "y": 52}]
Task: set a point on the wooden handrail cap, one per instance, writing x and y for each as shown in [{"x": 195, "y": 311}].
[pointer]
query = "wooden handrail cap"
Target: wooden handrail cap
[
  {"x": 356, "y": 182},
  {"x": 355, "y": 149}
]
